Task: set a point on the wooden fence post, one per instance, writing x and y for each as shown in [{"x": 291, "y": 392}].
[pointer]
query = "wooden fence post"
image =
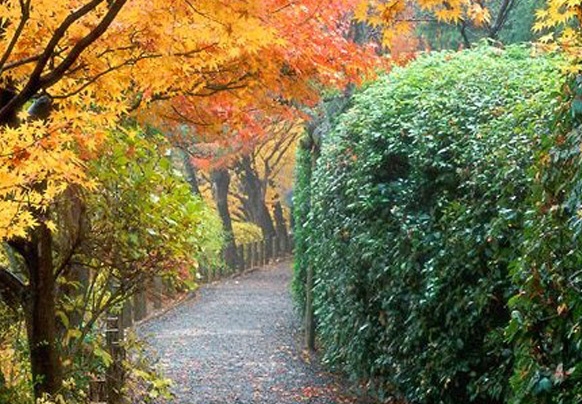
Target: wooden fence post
[
  {"x": 169, "y": 289},
  {"x": 127, "y": 314},
  {"x": 255, "y": 253},
  {"x": 248, "y": 256},
  {"x": 139, "y": 305},
  {"x": 283, "y": 245},
  {"x": 268, "y": 249},
  {"x": 261, "y": 252},
  {"x": 97, "y": 391},
  {"x": 274, "y": 245},
  {"x": 241, "y": 258},
  {"x": 250, "y": 252},
  {"x": 158, "y": 292},
  {"x": 115, "y": 375},
  {"x": 203, "y": 272}
]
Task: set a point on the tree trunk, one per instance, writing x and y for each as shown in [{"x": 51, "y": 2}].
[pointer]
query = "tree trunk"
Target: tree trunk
[
  {"x": 6, "y": 95},
  {"x": 220, "y": 184},
  {"x": 282, "y": 232},
  {"x": 79, "y": 276},
  {"x": 41, "y": 313},
  {"x": 40, "y": 303},
  {"x": 191, "y": 174},
  {"x": 140, "y": 305},
  {"x": 127, "y": 314},
  {"x": 254, "y": 202}
]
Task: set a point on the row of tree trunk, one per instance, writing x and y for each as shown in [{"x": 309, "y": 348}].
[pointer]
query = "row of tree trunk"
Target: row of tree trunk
[{"x": 255, "y": 207}]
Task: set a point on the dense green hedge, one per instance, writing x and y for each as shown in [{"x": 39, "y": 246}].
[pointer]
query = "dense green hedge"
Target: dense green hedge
[
  {"x": 417, "y": 214},
  {"x": 301, "y": 208},
  {"x": 546, "y": 311}
]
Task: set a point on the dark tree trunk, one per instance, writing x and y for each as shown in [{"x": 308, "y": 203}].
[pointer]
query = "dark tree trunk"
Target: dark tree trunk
[
  {"x": 191, "y": 174},
  {"x": 282, "y": 232},
  {"x": 463, "y": 32},
  {"x": 41, "y": 313},
  {"x": 6, "y": 95},
  {"x": 220, "y": 184},
  {"x": 254, "y": 203},
  {"x": 72, "y": 210},
  {"x": 37, "y": 250},
  {"x": 40, "y": 302}
]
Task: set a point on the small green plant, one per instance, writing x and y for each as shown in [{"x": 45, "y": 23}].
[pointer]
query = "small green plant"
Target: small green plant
[
  {"x": 146, "y": 383},
  {"x": 245, "y": 232}
]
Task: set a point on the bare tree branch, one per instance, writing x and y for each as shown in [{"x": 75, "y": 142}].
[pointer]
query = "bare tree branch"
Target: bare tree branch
[
  {"x": 55, "y": 75},
  {"x": 24, "y": 16},
  {"x": 36, "y": 81}
]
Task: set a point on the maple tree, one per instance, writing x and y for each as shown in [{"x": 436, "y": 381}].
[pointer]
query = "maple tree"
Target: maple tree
[
  {"x": 248, "y": 186},
  {"x": 259, "y": 180},
  {"x": 398, "y": 18},
  {"x": 261, "y": 174},
  {"x": 559, "y": 23},
  {"x": 510, "y": 22},
  {"x": 79, "y": 67}
]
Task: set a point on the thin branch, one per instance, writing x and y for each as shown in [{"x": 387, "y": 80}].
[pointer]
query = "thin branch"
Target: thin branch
[
  {"x": 183, "y": 118},
  {"x": 504, "y": 10},
  {"x": 278, "y": 10},
  {"x": 283, "y": 151},
  {"x": 21, "y": 62},
  {"x": 34, "y": 82},
  {"x": 204, "y": 15},
  {"x": 83, "y": 44},
  {"x": 93, "y": 79},
  {"x": 25, "y": 15},
  {"x": 30, "y": 59}
]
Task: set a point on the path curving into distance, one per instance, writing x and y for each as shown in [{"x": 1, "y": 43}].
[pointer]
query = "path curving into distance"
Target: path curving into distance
[{"x": 236, "y": 342}]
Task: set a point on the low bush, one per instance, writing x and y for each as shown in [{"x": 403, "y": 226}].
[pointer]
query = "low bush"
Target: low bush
[{"x": 246, "y": 232}]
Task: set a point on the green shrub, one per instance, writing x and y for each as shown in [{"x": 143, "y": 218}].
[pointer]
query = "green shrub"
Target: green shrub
[
  {"x": 145, "y": 214},
  {"x": 417, "y": 210},
  {"x": 301, "y": 207},
  {"x": 546, "y": 310},
  {"x": 246, "y": 232}
]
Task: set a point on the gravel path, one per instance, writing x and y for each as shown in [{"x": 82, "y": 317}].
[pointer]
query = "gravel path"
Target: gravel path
[{"x": 236, "y": 342}]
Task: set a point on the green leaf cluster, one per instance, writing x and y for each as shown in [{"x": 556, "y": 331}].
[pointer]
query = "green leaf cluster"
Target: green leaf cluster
[
  {"x": 246, "y": 233},
  {"x": 145, "y": 216},
  {"x": 546, "y": 310},
  {"x": 301, "y": 208},
  {"x": 416, "y": 219}
]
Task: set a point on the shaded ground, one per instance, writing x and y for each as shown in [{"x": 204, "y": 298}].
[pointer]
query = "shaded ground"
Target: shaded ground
[{"x": 236, "y": 342}]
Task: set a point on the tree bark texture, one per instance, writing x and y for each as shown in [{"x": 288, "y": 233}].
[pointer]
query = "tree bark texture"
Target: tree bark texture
[
  {"x": 39, "y": 300},
  {"x": 41, "y": 313},
  {"x": 282, "y": 232},
  {"x": 220, "y": 183},
  {"x": 191, "y": 174},
  {"x": 254, "y": 203}
]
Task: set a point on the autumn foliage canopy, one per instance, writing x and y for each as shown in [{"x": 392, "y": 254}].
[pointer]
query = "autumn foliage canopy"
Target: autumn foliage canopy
[{"x": 204, "y": 64}]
